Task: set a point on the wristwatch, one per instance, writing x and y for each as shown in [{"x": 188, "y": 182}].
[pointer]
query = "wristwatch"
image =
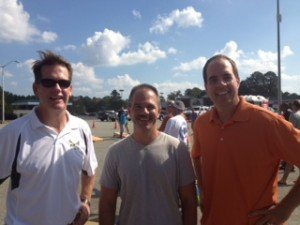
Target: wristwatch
[{"x": 85, "y": 201}]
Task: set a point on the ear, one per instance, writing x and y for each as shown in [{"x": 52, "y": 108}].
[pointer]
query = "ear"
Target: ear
[
  {"x": 238, "y": 81},
  {"x": 71, "y": 90},
  {"x": 35, "y": 89}
]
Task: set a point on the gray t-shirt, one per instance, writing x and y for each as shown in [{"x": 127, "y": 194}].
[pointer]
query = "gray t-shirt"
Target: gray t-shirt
[{"x": 148, "y": 179}]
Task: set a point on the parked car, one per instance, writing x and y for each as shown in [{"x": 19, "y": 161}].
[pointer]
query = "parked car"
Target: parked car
[{"x": 107, "y": 115}]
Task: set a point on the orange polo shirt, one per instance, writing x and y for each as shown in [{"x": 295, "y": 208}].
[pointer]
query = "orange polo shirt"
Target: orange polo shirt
[{"x": 239, "y": 162}]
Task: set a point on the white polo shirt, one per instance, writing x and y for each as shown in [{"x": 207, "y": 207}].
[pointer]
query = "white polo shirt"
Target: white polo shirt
[
  {"x": 178, "y": 128},
  {"x": 50, "y": 165}
]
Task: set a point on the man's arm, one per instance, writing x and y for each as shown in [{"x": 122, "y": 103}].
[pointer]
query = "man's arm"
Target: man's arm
[
  {"x": 87, "y": 184},
  {"x": 187, "y": 195},
  {"x": 197, "y": 167},
  {"x": 280, "y": 213},
  {"x": 107, "y": 206}
]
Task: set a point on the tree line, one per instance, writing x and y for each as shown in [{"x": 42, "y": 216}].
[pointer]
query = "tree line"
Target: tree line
[{"x": 256, "y": 84}]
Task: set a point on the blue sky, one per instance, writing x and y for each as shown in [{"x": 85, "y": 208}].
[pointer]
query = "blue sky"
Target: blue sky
[{"x": 118, "y": 44}]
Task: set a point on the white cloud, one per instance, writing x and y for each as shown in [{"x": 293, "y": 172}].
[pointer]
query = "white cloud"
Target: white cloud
[
  {"x": 185, "y": 18},
  {"x": 169, "y": 86},
  {"x": 286, "y": 51},
  {"x": 196, "y": 64},
  {"x": 136, "y": 14},
  {"x": 107, "y": 49},
  {"x": 15, "y": 25},
  {"x": 172, "y": 51},
  {"x": 48, "y": 36},
  {"x": 147, "y": 53},
  {"x": 122, "y": 82},
  {"x": 262, "y": 61},
  {"x": 290, "y": 83},
  {"x": 66, "y": 47},
  {"x": 26, "y": 65},
  {"x": 231, "y": 50},
  {"x": 85, "y": 79}
]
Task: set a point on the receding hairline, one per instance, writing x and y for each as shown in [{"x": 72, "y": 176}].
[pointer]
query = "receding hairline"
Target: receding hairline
[
  {"x": 135, "y": 90},
  {"x": 217, "y": 58}
]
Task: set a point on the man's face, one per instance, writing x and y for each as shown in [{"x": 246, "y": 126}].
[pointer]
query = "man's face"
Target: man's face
[
  {"x": 222, "y": 85},
  {"x": 144, "y": 110},
  {"x": 53, "y": 96}
]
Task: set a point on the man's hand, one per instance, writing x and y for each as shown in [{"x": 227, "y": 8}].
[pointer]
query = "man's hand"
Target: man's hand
[
  {"x": 83, "y": 215},
  {"x": 274, "y": 215}
]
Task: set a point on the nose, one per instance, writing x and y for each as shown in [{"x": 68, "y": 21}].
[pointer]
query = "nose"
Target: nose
[
  {"x": 57, "y": 87},
  {"x": 145, "y": 110}
]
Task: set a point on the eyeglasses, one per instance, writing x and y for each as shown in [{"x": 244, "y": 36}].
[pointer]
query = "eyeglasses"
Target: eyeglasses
[{"x": 49, "y": 83}]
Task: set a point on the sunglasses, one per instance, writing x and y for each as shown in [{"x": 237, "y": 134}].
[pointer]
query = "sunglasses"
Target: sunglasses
[{"x": 50, "y": 83}]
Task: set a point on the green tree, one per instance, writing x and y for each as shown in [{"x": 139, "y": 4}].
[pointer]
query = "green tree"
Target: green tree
[
  {"x": 194, "y": 92},
  {"x": 260, "y": 84},
  {"x": 175, "y": 94}
]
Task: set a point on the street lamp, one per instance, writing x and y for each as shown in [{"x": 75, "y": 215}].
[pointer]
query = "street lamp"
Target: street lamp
[
  {"x": 278, "y": 17},
  {"x": 121, "y": 90},
  {"x": 3, "y": 102}
]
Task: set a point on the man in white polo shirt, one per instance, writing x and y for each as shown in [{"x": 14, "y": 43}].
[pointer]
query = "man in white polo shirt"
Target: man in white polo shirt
[
  {"x": 47, "y": 153},
  {"x": 177, "y": 125}
]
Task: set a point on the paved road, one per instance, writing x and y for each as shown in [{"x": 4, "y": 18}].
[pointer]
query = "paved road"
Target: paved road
[{"x": 105, "y": 130}]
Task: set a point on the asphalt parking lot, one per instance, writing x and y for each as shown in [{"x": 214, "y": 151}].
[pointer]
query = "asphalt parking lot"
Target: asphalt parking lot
[{"x": 105, "y": 130}]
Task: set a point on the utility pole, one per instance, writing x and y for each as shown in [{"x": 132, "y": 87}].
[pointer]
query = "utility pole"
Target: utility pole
[{"x": 278, "y": 56}]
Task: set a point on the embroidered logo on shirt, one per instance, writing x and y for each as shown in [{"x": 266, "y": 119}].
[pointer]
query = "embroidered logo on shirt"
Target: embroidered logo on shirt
[{"x": 74, "y": 144}]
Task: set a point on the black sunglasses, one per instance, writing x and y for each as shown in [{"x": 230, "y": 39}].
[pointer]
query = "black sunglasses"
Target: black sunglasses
[{"x": 49, "y": 83}]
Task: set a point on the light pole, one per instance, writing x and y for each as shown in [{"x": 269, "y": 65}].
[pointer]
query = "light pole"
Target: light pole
[
  {"x": 278, "y": 55},
  {"x": 121, "y": 90},
  {"x": 3, "y": 102}
]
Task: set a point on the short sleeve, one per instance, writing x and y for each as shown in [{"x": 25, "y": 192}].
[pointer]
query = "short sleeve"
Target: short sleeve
[
  {"x": 109, "y": 176},
  {"x": 284, "y": 141},
  {"x": 186, "y": 170},
  {"x": 90, "y": 163}
]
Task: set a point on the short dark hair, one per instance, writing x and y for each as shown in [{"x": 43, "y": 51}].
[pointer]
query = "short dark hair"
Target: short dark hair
[
  {"x": 220, "y": 56},
  {"x": 48, "y": 58},
  {"x": 143, "y": 86}
]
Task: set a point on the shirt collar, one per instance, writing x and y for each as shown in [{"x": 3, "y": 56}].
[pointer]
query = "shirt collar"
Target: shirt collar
[
  {"x": 241, "y": 113},
  {"x": 36, "y": 123}
]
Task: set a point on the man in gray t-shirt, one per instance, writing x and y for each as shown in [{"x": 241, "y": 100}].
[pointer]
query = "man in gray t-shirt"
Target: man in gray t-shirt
[{"x": 150, "y": 171}]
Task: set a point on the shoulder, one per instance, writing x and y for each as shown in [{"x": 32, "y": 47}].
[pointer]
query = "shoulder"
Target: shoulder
[
  {"x": 16, "y": 125},
  {"x": 168, "y": 140},
  {"x": 203, "y": 118},
  {"x": 262, "y": 114},
  {"x": 78, "y": 122},
  {"x": 121, "y": 145}
]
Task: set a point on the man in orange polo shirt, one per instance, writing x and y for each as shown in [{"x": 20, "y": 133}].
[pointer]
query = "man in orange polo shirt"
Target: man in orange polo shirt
[{"x": 237, "y": 149}]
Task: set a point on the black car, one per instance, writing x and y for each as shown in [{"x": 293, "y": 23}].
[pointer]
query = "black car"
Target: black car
[{"x": 107, "y": 115}]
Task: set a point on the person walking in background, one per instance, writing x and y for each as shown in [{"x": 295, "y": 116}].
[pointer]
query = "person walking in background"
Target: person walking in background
[
  {"x": 47, "y": 153},
  {"x": 285, "y": 112},
  {"x": 294, "y": 118},
  {"x": 236, "y": 152},
  {"x": 170, "y": 114},
  {"x": 122, "y": 121},
  {"x": 151, "y": 172},
  {"x": 177, "y": 125},
  {"x": 126, "y": 123}
]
